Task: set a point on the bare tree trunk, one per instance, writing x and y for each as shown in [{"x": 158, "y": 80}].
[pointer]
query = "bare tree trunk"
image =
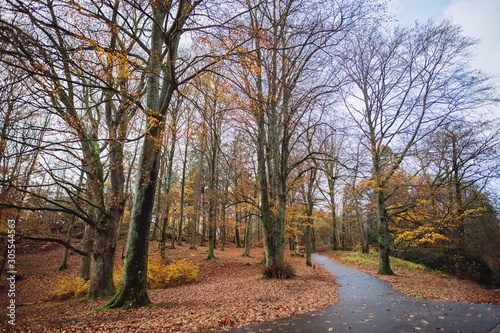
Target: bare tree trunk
[
  {"x": 69, "y": 236},
  {"x": 87, "y": 245},
  {"x": 237, "y": 237},
  {"x": 183, "y": 187},
  {"x": 383, "y": 235}
]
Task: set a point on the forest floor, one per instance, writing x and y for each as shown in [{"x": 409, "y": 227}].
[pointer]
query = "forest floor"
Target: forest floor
[{"x": 229, "y": 293}]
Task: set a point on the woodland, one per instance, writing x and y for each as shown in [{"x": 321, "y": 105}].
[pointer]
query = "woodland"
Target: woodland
[{"x": 131, "y": 129}]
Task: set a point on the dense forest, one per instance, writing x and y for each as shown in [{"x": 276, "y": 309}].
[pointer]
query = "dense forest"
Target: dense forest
[{"x": 286, "y": 123}]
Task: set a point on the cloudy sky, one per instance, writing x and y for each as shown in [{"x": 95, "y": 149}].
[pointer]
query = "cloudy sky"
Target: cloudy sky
[{"x": 479, "y": 19}]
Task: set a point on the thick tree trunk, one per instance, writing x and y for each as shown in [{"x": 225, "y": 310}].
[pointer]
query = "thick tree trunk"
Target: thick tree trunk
[
  {"x": 133, "y": 287},
  {"x": 384, "y": 267},
  {"x": 102, "y": 261},
  {"x": 274, "y": 248},
  {"x": 132, "y": 292}
]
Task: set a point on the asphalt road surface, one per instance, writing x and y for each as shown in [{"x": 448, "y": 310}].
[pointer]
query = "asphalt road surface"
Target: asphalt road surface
[{"x": 368, "y": 304}]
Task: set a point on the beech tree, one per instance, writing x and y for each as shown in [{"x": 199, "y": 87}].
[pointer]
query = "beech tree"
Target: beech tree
[
  {"x": 161, "y": 84},
  {"x": 460, "y": 161},
  {"x": 405, "y": 83},
  {"x": 78, "y": 68},
  {"x": 276, "y": 75}
]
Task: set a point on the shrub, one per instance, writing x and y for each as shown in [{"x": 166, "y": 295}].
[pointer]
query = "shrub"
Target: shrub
[
  {"x": 474, "y": 268},
  {"x": 279, "y": 272},
  {"x": 178, "y": 272},
  {"x": 70, "y": 287},
  {"x": 159, "y": 276}
]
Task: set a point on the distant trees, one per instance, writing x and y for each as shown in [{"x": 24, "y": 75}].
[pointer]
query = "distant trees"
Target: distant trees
[
  {"x": 458, "y": 161},
  {"x": 405, "y": 85}
]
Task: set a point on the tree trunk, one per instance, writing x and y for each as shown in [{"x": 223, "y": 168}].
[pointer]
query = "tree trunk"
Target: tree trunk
[
  {"x": 183, "y": 187},
  {"x": 102, "y": 260},
  {"x": 384, "y": 267},
  {"x": 308, "y": 246},
  {"x": 133, "y": 287},
  {"x": 237, "y": 237},
  {"x": 132, "y": 292},
  {"x": 247, "y": 237},
  {"x": 88, "y": 243},
  {"x": 64, "y": 262},
  {"x": 211, "y": 241},
  {"x": 223, "y": 237}
]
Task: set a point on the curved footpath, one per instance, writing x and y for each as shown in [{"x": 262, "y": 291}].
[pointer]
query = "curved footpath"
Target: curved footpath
[{"x": 368, "y": 304}]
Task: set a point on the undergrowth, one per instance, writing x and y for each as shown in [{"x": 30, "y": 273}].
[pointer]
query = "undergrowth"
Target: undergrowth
[
  {"x": 370, "y": 261},
  {"x": 70, "y": 288},
  {"x": 160, "y": 276}
]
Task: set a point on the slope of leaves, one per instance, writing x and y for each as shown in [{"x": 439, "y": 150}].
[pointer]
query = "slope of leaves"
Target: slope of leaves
[
  {"x": 414, "y": 280},
  {"x": 230, "y": 293}
]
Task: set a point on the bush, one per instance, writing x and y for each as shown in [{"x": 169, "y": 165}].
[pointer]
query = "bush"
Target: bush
[
  {"x": 467, "y": 266},
  {"x": 179, "y": 272},
  {"x": 474, "y": 268},
  {"x": 70, "y": 288},
  {"x": 159, "y": 276},
  {"x": 279, "y": 272}
]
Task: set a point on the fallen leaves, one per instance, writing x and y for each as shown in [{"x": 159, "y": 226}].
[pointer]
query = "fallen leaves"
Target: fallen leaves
[{"x": 229, "y": 294}]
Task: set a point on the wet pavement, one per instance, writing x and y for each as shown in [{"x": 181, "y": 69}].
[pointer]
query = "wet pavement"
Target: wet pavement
[{"x": 368, "y": 304}]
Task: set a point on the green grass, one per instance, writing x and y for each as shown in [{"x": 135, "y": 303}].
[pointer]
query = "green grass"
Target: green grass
[{"x": 370, "y": 261}]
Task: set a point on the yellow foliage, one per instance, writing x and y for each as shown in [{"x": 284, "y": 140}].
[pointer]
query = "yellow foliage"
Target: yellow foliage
[
  {"x": 70, "y": 287},
  {"x": 159, "y": 276},
  {"x": 420, "y": 236},
  {"x": 178, "y": 272}
]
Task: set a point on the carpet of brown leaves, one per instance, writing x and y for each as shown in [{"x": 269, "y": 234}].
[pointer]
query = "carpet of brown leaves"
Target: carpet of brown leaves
[
  {"x": 230, "y": 293},
  {"x": 432, "y": 285}
]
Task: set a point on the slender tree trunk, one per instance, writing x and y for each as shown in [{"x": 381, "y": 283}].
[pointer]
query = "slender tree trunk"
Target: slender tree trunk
[
  {"x": 308, "y": 245},
  {"x": 223, "y": 234},
  {"x": 87, "y": 245},
  {"x": 172, "y": 235},
  {"x": 69, "y": 236},
  {"x": 247, "y": 236},
  {"x": 237, "y": 237},
  {"x": 197, "y": 198},
  {"x": 203, "y": 238},
  {"x": 183, "y": 187}
]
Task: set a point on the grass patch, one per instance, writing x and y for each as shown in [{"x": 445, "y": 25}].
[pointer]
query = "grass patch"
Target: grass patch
[{"x": 370, "y": 261}]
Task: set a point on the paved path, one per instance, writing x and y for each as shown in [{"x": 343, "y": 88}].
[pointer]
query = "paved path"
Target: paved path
[{"x": 368, "y": 304}]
